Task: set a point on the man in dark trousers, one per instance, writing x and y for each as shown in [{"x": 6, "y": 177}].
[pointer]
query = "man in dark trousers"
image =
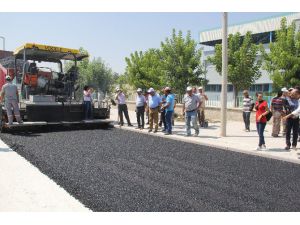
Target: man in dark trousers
[
  {"x": 122, "y": 107},
  {"x": 140, "y": 109}
]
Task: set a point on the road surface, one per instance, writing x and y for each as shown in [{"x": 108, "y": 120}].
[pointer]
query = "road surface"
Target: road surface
[{"x": 121, "y": 170}]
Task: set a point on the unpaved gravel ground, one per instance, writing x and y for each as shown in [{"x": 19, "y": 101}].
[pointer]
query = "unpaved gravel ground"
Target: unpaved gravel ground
[{"x": 120, "y": 170}]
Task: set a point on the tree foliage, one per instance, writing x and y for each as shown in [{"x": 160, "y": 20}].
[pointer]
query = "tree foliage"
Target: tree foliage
[
  {"x": 144, "y": 69},
  {"x": 177, "y": 64},
  {"x": 283, "y": 60},
  {"x": 94, "y": 73},
  {"x": 243, "y": 62},
  {"x": 181, "y": 61}
]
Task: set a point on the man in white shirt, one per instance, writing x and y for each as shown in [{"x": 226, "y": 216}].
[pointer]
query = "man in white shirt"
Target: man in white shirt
[
  {"x": 140, "y": 108},
  {"x": 122, "y": 107},
  {"x": 191, "y": 104}
]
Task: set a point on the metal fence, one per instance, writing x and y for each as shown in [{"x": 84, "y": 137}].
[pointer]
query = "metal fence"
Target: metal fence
[{"x": 215, "y": 101}]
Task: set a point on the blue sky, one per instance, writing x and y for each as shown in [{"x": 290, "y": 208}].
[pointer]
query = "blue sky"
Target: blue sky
[{"x": 111, "y": 36}]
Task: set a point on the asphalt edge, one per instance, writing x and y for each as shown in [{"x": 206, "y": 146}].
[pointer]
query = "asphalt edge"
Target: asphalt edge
[{"x": 174, "y": 137}]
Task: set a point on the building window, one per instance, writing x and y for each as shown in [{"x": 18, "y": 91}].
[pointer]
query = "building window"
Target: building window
[
  {"x": 230, "y": 88},
  {"x": 258, "y": 87},
  {"x": 266, "y": 88},
  {"x": 213, "y": 88}
]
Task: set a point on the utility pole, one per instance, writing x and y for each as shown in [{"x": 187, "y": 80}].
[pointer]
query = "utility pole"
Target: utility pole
[
  {"x": 224, "y": 75},
  {"x": 3, "y": 38}
]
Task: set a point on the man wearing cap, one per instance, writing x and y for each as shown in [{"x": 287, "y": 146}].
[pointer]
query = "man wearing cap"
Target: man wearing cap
[
  {"x": 168, "y": 107},
  {"x": 122, "y": 107},
  {"x": 10, "y": 94},
  {"x": 140, "y": 108},
  {"x": 191, "y": 104},
  {"x": 201, "y": 112},
  {"x": 154, "y": 102}
]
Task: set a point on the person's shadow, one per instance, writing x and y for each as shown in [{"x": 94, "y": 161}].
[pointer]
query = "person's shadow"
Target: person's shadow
[
  {"x": 276, "y": 150},
  {"x": 5, "y": 150}
]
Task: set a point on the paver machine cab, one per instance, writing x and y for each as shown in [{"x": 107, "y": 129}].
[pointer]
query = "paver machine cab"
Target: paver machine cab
[{"x": 46, "y": 92}]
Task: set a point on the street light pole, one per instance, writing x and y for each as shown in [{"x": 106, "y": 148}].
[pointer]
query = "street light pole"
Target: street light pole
[
  {"x": 3, "y": 38},
  {"x": 224, "y": 76}
]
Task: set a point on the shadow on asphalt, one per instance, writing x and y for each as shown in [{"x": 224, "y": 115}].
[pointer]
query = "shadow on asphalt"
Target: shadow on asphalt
[{"x": 36, "y": 131}]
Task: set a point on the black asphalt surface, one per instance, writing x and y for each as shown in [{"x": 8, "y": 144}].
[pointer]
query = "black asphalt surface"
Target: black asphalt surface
[{"x": 120, "y": 170}]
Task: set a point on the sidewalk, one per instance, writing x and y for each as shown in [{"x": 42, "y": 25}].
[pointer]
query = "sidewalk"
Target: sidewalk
[
  {"x": 237, "y": 139},
  {"x": 23, "y": 188}
]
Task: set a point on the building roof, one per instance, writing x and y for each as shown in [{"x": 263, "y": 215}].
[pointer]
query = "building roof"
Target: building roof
[{"x": 260, "y": 29}]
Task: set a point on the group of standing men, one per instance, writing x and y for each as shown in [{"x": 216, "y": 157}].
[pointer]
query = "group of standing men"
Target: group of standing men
[
  {"x": 285, "y": 109},
  {"x": 154, "y": 104}
]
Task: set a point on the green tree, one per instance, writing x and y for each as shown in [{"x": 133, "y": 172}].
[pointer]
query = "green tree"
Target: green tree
[
  {"x": 94, "y": 73},
  {"x": 283, "y": 60},
  {"x": 243, "y": 61},
  {"x": 181, "y": 61},
  {"x": 144, "y": 69}
]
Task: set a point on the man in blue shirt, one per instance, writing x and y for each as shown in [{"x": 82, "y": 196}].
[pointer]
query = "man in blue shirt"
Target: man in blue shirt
[
  {"x": 154, "y": 101},
  {"x": 169, "y": 109}
]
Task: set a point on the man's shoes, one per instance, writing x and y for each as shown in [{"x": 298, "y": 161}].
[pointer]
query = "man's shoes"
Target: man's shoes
[
  {"x": 149, "y": 131},
  {"x": 155, "y": 131},
  {"x": 263, "y": 147},
  {"x": 287, "y": 147},
  {"x": 160, "y": 124},
  {"x": 20, "y": 122},
  {"x": 274, "y": 135},
  {"x": 258, "y": 148},
  {"x": 196, "y": 134},
  {"x": 138, "y": 128},
  {"x": 294, "y": 148},
  {"x": 130, "y": 125},
  {"x": 163, "y": 130},
  {"x": 187, "y": 135}
]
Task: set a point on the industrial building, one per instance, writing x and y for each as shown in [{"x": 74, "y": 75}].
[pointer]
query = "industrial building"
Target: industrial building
[{"x": 263, "y": 31}]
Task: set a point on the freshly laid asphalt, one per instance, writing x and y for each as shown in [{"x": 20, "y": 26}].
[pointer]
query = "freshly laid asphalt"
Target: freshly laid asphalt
[{"x": 121, "y": 170}]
